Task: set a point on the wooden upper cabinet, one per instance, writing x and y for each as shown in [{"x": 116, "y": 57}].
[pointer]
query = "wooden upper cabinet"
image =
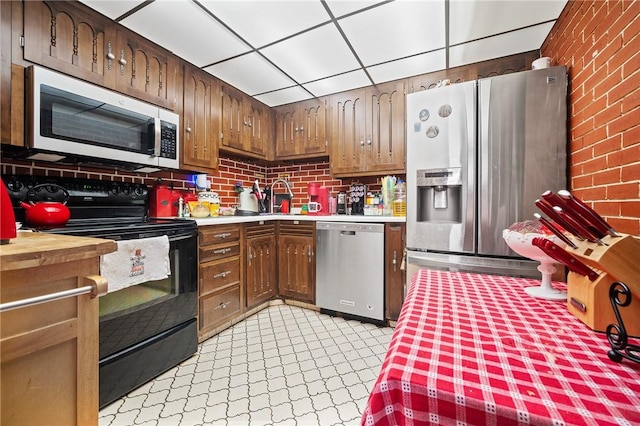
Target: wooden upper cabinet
[
  {"x": 245, "y": 123},
  {"x": 257, "y": 129},
  {"x": 73, "y": 39},
  {"x": 200, "y": 120},
  {"x": 347, "y": 127},
  {"x": 232, "y": 120},
  {"x": 385, "y": 124},
  {"x": 144, "y": 70},
  {"x": 301, "y": 130},
  {"x": 70, "y": 38},
  {"x": 431, "y": 80}
]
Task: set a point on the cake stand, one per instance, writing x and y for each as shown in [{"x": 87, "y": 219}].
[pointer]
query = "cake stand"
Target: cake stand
[{"x": 521, "y": 244}]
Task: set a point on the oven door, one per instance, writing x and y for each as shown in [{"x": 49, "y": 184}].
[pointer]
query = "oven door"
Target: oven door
[{"x": 137, "y": 313}]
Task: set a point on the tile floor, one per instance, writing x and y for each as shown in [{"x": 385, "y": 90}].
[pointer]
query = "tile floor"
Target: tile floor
[{"x": 285, "y": 365}]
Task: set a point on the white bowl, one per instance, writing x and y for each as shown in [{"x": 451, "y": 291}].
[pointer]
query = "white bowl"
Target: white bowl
[{"x": 521, "y": 244}]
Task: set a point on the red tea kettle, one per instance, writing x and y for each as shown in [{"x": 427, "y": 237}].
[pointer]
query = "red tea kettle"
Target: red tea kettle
[{"x": 46, "y": 213}]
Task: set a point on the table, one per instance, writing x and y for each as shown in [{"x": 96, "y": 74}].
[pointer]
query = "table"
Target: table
[{"x": 476, "y": 349}]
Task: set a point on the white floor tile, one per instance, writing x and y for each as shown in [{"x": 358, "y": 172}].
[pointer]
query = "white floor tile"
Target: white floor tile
[{"x": 284, "y": 365}]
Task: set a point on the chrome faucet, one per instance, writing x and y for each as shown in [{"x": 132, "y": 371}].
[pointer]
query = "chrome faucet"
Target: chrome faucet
[{"x": 273, "y": 195}]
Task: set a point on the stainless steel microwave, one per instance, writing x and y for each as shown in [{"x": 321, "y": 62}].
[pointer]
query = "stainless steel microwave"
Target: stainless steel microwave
[{"x": 71, "y": 117}]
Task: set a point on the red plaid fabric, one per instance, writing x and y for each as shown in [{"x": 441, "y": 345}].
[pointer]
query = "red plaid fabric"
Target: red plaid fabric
[{"x": 476, "y": 349}]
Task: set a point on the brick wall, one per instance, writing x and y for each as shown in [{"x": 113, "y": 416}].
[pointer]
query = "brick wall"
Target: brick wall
[
  {"x": 223, "y": 180},
  {"x": 599, "y": 42}
]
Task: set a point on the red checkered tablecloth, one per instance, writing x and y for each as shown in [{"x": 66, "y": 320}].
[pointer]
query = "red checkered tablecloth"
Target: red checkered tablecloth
[{"x": 476, "y": 349}]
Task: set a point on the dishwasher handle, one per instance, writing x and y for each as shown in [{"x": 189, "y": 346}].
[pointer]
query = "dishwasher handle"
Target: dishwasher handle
[{"x": 348, "y": 233}]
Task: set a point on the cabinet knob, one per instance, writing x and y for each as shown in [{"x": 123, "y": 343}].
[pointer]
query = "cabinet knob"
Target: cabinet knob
[
  {"x": 110, "y": 56},
  {"x": 361, "y": 142}
]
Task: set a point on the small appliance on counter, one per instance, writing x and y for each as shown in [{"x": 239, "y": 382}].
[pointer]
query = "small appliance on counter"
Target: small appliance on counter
[
  {"x": 7, "y": 217},
  {"x": 318, "y": 199},
  {"x": 342, "y": 203},
  {"x": 357, "y": 194},
  {"x": 163, "y": 201},
  {"x": 248, "y": 204}
]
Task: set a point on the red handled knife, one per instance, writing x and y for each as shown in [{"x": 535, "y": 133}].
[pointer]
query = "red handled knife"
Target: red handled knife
[
  {"x": 558, "y": 233},
  {"x": 583, "y": 231},
  {"x": 561, "y": 255},
  {"x": 595, "y": 220},
  {"x": 547, "y": 209}
]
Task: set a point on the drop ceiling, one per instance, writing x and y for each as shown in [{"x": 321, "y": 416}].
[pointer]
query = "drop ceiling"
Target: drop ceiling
[{"x": 282, "y": 51}]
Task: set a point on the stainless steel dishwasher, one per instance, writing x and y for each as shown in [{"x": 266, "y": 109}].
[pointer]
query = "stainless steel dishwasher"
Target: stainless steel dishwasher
[{"x": 350, "y": 268}]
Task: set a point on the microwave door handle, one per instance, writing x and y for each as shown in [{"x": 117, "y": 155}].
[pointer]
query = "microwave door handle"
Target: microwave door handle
[{"x": 156, "y": 136}]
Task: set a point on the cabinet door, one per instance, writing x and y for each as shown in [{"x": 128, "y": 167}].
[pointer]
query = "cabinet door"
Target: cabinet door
[
  {"x": 70, "y": 38},
  {"x": 232, "y": 120},
  {"x": 200, "y": 119},
  {"x": 261, "y": 271},
  {"x": 296, "y": 267},
  {"x": 144, "y": 70},
  {"x": 394, "y": 236},
  {"x": 257, "y": 129},
  {"x": 312, "y": 127},
  {"x": 385, "y": 121},
  {"x": 347, "y": 132},
  {"x": 286, "y": 129},
  {"x": 431, "y": 80}
]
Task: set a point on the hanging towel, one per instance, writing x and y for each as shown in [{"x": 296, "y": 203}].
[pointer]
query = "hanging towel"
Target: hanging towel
[{"x": 135, "y": 262}]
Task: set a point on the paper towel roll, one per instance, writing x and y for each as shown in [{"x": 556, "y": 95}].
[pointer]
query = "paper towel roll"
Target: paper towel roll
[
  {"x": 202, "y": 182},
  {"x": 544, "y": 62}
]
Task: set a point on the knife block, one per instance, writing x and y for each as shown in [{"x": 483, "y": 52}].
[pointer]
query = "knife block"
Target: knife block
[
  {"x": 618, "y": 261},
  {"x": 589, "y": 302}
]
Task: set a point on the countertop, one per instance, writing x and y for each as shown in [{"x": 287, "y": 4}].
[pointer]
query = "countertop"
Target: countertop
[
  {"x": 30, "y": 249},
  {"x": 315, "y": 218}
]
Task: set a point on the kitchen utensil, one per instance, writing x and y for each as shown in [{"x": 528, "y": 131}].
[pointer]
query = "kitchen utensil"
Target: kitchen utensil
[
  {"x": 578, "y": 226},
  {"x": 46, "y": 213},
  {"x": 521, "y": 244},
  {"x": 8, "y": 224},
  {"x": 564, "y": 257},
  {"x": 596, "y": 221},
  {"x": 547, "y": 209},
  {"x": 551, "y": 227}
]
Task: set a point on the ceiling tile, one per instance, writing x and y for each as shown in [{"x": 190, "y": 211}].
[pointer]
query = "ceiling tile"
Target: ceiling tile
[
  {"x": 284, "y": 96},
  {"x": 185, "y": 29},
  {"x": 250, "y": 73},
  {"x": 339, "y": 83},
  {"x": 408, "y": 67},
  {"x": 474, "y": 19},
  {"x": 263, "y": 22},
  {"x": 342, "y": 7},
  {"x": 396, "y": 30},
  {"x": 315, "y": 54},
  {"x": 112, "y": 9},
  {"x": 495, "y": 47}
]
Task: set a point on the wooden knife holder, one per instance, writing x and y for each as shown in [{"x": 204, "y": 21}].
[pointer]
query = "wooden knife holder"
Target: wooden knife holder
[{"x": 618, "y": 261}]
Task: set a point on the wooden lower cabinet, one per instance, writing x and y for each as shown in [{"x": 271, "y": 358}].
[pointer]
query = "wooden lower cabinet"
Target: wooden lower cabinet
[
  {"x": 297, "y": 261},
  {"x": 260, "y": 263},
  {"x": 394, "y": 245},
  {"x": 220, "y": 277}
]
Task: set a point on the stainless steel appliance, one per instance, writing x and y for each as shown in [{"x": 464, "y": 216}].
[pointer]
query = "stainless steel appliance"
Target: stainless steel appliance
[
  {"x": 73, "y": 121},
  {"x": 350, "y": 268},
  {"x": 147, "y": 328},
  {"x": 478, "y": 156}
]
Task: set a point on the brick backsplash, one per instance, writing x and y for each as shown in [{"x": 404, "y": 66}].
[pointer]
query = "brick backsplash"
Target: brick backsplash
[
  {"x": 598, "y": 42},
  {"x": 222, "y": 180}
]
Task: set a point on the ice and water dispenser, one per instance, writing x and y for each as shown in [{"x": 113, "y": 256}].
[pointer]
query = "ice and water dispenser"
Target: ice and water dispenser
[{"x": 439, "y": 193}]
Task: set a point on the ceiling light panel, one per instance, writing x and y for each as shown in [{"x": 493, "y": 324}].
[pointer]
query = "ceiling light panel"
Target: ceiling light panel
[
  {"x": 341, "y": 7},
  {"x": 284, "y": 96},
  {"x": 112, "y": 9},
  {"x": 396, "y": 30},
  {"x": 263, "y": 22},
  {"x": 338, "y": 83},
  {"x": 250, "y": 73},
  {"x": 474, "y": 19},
  {"x": 312, "y": 55},
  {"x": 185, "y": 29},
  {"x": 408, "y": 67},
  {"x": 498, "y": 46}
]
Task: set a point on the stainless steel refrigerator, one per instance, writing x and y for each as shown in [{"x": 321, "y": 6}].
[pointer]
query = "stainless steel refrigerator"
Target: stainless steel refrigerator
[{"x": 479, "y": 154}]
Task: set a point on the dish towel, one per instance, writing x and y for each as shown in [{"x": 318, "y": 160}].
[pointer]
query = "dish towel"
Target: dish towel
[{"x": 135, "y": 262}]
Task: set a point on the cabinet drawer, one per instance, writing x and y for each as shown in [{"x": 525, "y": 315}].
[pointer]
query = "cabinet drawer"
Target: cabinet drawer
[
  {"x": 219, "y": 307},
  {"x": 217, "y": 234},
  {"x": 219, "y": 274},
  {"x": 220, "y": 251}
]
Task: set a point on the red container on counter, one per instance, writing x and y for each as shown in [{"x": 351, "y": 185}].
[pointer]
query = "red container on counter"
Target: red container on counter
[{"x": 163, "y": 201}]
